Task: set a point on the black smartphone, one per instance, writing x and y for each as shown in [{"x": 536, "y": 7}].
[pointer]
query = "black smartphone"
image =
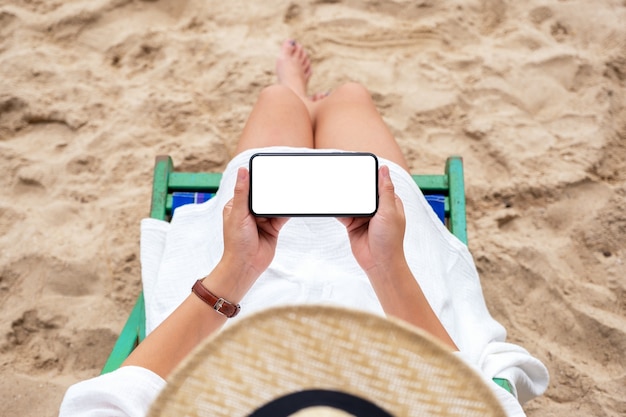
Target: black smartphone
[{"x": 342, "y": 184}]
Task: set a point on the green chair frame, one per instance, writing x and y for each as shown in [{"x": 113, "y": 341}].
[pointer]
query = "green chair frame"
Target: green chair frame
[{"x": 167, "y": 181}]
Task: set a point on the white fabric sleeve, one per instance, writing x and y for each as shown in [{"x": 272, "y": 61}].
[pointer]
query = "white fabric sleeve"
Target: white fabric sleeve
[
  {"x": 528, "y": 376},
  {"x": 509, "y": 403},
  {"x": 127, "y": 391}
]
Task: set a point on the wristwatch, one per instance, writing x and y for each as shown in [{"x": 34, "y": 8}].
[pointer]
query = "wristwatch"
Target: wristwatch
[{"x": 218, "y": 304}]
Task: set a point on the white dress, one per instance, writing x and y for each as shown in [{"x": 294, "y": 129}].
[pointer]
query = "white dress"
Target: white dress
[{"x": 314, "y": 265}]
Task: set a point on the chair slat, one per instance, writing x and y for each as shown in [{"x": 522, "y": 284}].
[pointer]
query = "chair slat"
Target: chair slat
[{"x": 194, "y": 181}]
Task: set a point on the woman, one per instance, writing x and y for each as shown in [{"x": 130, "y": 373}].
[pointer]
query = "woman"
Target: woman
[{"x": 427, "y": 279}]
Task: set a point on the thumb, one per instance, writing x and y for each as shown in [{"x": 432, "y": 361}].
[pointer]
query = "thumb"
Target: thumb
[
  {"x": 242, "y": 190},
  {"x": 386, "y": 190}
]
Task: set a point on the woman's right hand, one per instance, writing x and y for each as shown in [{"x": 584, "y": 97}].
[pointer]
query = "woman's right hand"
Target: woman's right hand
[
  {"x": 249, "y": 246},
  {"x": 249, "y": 241}
]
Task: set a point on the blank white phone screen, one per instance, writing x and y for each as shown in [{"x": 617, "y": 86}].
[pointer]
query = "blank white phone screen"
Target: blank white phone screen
[{"x": 314, "y": 184}]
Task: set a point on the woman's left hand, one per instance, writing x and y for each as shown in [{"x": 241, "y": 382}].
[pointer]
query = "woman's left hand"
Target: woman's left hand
[{"x": 378, "y": 242}]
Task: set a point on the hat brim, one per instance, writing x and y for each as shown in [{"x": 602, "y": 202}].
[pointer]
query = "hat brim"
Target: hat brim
[{"x": 281, "y": 351}]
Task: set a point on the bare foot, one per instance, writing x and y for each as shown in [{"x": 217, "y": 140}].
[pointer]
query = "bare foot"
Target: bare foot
[{"x": 293, "y": 68}]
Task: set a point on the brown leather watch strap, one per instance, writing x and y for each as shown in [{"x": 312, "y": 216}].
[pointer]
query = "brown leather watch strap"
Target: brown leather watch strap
[{"x": 218, "y": 304}]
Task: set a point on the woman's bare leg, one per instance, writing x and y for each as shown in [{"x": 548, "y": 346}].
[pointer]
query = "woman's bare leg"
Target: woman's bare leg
[
  {"x": 285, "y": 116},
  {"x": 281, "y": 115},
  {"x": 349, "y": 120}
]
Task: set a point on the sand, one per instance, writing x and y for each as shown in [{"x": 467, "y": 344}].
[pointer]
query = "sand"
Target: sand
[{"x": 531, "y": 94}]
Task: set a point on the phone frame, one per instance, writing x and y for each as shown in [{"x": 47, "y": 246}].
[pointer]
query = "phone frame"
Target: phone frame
[{"x": 313, "y": 154}]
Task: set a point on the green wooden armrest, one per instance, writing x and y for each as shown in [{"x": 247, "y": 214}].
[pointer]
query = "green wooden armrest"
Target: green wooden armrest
[{"x": 134, "y": 331}]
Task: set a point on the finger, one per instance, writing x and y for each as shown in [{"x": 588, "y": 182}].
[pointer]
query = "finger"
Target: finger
[
  {"x": 346, "y": 221},
  {"x": 352, "y": 223},
  {"x": 279, "y": 222},
  {"x": 242, "y": 189},
  {"x": 270, "y": 226}
]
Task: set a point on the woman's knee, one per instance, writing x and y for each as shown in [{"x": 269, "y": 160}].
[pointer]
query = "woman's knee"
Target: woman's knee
[
  {"x": 281, "y": 98},
  {"x": 277, "y": 93},
  {"x": 353, "y": 91}
]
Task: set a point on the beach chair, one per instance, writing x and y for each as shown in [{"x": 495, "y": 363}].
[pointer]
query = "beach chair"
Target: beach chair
[{"x": 170, "y": 188}]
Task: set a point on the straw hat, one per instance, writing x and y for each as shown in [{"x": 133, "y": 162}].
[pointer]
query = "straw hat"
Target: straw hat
[{"x": 323, "y": 361}]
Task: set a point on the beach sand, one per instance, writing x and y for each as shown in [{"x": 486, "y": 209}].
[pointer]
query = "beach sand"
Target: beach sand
[{"x": 531, "y": 94}]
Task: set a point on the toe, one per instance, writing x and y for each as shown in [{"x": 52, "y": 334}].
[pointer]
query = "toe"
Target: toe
[
  {"x": 300, "y": 52},
  {"x": 319, "y": 96},
  {"x": 288, "y": 47}
]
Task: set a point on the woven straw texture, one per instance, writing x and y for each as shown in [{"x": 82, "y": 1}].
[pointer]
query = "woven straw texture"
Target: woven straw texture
[{"x": 289, "y": 349}]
